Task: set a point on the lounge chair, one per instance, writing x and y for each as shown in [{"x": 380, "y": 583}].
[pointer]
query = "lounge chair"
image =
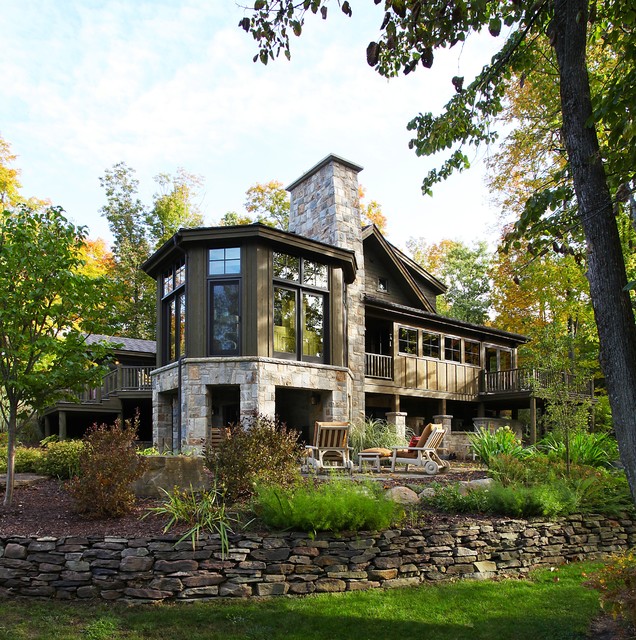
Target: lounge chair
[
  {"x": 330, "y": 450},
  {"x": 424, "y": 454}
]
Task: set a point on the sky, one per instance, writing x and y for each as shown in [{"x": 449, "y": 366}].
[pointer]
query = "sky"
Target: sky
[{"x": 163, "y": 84}]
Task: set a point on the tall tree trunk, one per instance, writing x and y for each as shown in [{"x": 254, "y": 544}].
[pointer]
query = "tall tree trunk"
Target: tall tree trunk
[
  {"x": 606, "y": 267},
  {"x": 12, "y": 428}
]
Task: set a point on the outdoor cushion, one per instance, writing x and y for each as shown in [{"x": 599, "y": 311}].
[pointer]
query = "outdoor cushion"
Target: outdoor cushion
[{"x": 381, "y": 451}]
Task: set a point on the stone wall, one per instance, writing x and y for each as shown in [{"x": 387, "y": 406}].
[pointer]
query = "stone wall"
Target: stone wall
[{"x": 277, "y": 564}]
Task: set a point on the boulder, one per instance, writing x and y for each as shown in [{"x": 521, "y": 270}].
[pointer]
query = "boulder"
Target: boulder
[{"x": 402, "y": 495}]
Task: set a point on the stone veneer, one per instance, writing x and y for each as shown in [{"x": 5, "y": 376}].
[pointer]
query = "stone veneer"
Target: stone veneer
[
  {"x": 257, "y": 379},
  {"x": 144, "y": 569},
  {"x": 325, "y": 206}
]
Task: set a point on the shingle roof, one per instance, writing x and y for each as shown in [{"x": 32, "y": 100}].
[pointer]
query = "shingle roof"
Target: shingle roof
[{"x": 128, "y": 344}]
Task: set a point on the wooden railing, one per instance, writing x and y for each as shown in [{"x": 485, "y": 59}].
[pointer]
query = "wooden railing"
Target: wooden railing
[
  {"x": 518, "y": 380},
  {"x": 377, "y": 366},
  {"x": 123, "y": 378}
]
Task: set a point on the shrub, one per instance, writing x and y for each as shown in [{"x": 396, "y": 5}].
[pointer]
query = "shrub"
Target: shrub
[
  {"x": 108, "y": 465},
  {"x": 487, "y": 444},
  {"x": 450, "y": 499},
  {"x": 592, "y": 449},
  {"x": 259, "y": 449},
  {"x": 203, "y": 511},
  {"x": 27, "y": 459},
  {"x": 616, "y": 584},
  {"x": 373, "y": 433},
  {"x": 61, "y": 459},
  {"x": 335, "y": 505}
]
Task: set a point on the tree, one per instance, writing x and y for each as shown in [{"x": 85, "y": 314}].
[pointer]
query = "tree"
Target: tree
[
  {"x": 412, "y": 30},
  {"x": 268, "y": 203},
  {"x": 174, "y": 206},
  {"x": 47, "y": 309},
  {"x": 371, "y": 213},
  {"x": 9, "y": 182},
  {"x": 464, "y": 270},
  {"x": 133, "y": 307}
]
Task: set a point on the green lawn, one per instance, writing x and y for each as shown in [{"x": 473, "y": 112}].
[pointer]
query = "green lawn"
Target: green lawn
[{"x": 551, "y": 606}]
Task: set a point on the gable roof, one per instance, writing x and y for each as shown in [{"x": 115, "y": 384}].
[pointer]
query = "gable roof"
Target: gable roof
[
  {"x": 407, "y": 268},
  {"x": 125, "y": 344}
]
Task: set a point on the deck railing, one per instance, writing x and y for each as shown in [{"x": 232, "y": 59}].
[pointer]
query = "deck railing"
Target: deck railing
[
  {"x": 123, "y": 378},
  {"x": 377, "y": 366},
  {"x": 517, "y": 380}
]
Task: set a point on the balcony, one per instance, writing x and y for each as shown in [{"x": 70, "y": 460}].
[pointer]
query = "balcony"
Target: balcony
[
  {"x": 125, "y": 379},
  {"x": 377, "y": 366},
  {"x": 530, "y": 380}
]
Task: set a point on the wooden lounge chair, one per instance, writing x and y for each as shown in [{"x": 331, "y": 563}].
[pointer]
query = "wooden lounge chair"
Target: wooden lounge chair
[
  {"x": 424, "y": 454},
  {"x": 330, "y": 450}
]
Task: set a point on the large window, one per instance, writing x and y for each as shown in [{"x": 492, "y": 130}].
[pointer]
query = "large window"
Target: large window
[
  {"x": 224, "y": 301},
  {"x": 430, "y": 344},
  {"x": 300, "y": 307},
  {"x": 224, "y": 317},
  {"x": 407, "y": 341},
  {"x": 452, "y": 349},
  {"x": 471, "y": 353},
  {"x": 498, "y": 359},
  {"x": 174, "y": 312}
]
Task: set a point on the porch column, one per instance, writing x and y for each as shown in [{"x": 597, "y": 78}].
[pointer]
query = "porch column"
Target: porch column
[
  {"x": 481, "y": 410},
  {"x": 533, "y": 420},
  {"x": 396, "y": 404},
  {"x": 398, "y": 419},
  {"x": 62, "y": 426},
  {"x": 441, "y": 407},
  {"x": 47, "y": 426},
  {"x": 445, "y": 421}
]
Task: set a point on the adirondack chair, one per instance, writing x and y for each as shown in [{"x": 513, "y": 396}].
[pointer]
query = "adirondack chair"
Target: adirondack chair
[
  {"x": 330, "y": 450},
  {"x": 424, "y": 454}
]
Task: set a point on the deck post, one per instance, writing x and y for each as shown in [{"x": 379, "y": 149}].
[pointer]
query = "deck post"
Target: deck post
[
  {"x": 533, "y": 420},
  {"x": 62, "y": 426},
  {"x": 47, "y": 426}
]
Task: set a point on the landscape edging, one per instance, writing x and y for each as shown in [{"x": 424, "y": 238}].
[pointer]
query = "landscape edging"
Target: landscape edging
[{"x": 151, "y": 569}]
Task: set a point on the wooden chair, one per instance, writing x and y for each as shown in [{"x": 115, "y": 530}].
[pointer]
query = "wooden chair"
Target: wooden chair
[
  {"x": 424, "y": 454},
  {"x": 330, "y": 449}
]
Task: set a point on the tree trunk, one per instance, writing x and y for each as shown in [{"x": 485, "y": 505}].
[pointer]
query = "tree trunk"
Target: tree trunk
[
  {"x": 12, "y": 428},
  {"x": 606, "y": 268}
]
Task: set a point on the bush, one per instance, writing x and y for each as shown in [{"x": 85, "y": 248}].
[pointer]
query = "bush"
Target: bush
[
  {"x": 27, "y": 459},
  {"x": 335, "y": 505},
  {"x": 592, "y": 449},
  {"x": 373, "y": 433},
  {"x": 60, "y": 459},
  {"x": 108, "y": 465},
  {"x": 256, "y": 449},
  {"x": 487, "y": 444},
  {"x": 616, "y": 584},
  {"x": 204, "y": 511}
]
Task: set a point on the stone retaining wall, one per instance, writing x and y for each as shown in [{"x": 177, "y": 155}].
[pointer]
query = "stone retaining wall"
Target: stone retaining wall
[{"x": 278, "y": 564}]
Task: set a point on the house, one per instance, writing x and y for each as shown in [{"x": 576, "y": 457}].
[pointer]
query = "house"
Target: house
[
  {"x": 126, "y": 391},
  {"x": 326, "y": 321}
]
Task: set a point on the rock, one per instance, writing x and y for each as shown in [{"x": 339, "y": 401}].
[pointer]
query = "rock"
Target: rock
[
  {"x": 429, "y": 492},
  {"x": 402, "y": 495}
]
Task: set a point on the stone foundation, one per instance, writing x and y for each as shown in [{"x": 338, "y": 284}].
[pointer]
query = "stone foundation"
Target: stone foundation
[{"x": 143, "y": 569}]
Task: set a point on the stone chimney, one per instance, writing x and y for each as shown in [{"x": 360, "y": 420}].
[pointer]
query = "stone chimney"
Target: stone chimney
[{"x": 325, "y": 207}]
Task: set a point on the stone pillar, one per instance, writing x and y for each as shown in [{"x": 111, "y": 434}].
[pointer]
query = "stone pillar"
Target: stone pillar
[
  {"x": 62, "y": 426},
  {"x": 445, "y": 421},
  {"x": 47, "y": 426},
  {"x": 398, "y": 419},
  {"x": 195, "y": 409},
  {"x": 325, "y": 207},
  {"x": 162, "y": 421}
]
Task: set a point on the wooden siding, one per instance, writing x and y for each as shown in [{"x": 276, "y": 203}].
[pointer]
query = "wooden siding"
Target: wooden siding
[
  {"x": 375, "y": 267},
  {"x": 458, "y": 380}
]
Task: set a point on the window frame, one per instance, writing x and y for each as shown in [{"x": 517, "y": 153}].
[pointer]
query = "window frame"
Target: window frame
[
  {"x": 415, "y": 353},
  {"x": 174, "y": 312},
  {"x": 426, "y": 344},
  {"x": 216, "y": 282},
  {"x": 300, "y": 288},
  {"x": 478, "y": 353},
  {"x": 452, "y": 349}
]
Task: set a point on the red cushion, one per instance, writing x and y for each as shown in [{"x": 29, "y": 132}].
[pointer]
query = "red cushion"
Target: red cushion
[{"x": 414, "y": 440}]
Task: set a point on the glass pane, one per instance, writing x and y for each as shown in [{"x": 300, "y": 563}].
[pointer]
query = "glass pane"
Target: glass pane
[
  {"x": 284, "y": 320},
  {"x": 471, "y": 352},
  {"x": 407, "y": 342},
  {"x": 172, "y": 329},
  {"x": 491, "y": 359},
  {"x": 313, "y": 322},
  {"x": 286, "y": 267},
  {"x": 315, "y": 274},
  {"x": 430, "y": 345},
  {"x": 182, "y": 324},
  {"x": 167, "y": 284},
  {"x": 453, "y": 349},
  {"x": 225, "y": 318},
  {"x": 179, "y": 276},
  {"x": 224, "y": 261},
  {"x": 505, "y": 360}
]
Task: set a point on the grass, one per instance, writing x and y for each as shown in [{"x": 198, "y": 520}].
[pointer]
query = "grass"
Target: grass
[{"x": 550, "y": 606}]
